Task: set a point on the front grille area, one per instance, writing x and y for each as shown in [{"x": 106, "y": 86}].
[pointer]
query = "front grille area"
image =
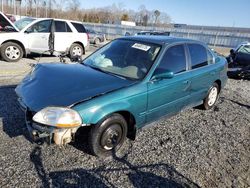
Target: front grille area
[{"x": 41, "y": 128}]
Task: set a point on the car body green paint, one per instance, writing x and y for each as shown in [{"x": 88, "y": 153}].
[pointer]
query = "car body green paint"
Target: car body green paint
[
  {"x": 147, "y": 99},
  {"x": 150, "y": 100}
]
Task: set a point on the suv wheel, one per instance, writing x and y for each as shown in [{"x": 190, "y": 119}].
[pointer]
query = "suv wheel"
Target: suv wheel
[
  {"x": 76, "y": 50},
  {"x": 11, "y": 52},
  {"x": 211, "y": 97},
  {"x": 108, "y": 136}
]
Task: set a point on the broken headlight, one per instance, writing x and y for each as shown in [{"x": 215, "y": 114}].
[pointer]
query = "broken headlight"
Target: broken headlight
[{"x": 58, "y": 117}]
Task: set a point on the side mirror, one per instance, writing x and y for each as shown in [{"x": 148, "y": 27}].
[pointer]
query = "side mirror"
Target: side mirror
[
  {"x": 217, "y": 59},
  {"x": 165, "y": 75}
]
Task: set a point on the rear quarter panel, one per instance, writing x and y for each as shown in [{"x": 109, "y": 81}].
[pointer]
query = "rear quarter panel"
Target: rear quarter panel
[{"x": 203, "y": 78}]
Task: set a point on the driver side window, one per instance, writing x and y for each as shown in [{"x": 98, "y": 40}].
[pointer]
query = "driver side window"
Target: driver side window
[
  {"x": 40, "y": 27},
  {"x": 174, "y": 60}
]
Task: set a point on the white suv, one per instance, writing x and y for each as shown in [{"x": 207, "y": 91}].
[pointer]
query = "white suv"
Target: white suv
[{"x": 43, "y": 35}]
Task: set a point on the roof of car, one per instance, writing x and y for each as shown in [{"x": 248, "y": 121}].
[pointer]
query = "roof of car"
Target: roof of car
[
  {"x": 159, "y": 39},
  {"x": 40, "y": 19}
]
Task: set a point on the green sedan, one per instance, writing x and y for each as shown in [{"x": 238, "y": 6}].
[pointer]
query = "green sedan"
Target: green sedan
[{"x": 120, "y": 88}]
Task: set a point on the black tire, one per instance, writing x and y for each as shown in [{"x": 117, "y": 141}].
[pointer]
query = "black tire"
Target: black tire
[
  {"x": 209, "y": 102},
  {"x": 11, "y": 52},
  {"x": 74, "y": 48},
  {"x": 108, "y": 136},
  {"x": 97, "y": 41}
]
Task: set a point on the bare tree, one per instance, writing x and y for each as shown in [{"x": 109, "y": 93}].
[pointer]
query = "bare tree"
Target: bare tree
[
  {"x": 125, "y": 17},
  {"x": 74, "y": 5},
  {"x": 145, "y": 20},
  {"x": 30, "y": 5},
  {"x": 157, "y": 13}
]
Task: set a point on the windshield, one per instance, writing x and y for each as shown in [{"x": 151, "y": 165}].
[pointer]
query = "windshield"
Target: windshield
[
  {"x": 22, "y": 23},
  {"x": 244, "y": 49},
  {"x": 126, "y": 58}
]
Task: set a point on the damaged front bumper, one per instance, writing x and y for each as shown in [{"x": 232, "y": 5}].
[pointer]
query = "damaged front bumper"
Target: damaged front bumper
[{"x": 38, "y": 132}]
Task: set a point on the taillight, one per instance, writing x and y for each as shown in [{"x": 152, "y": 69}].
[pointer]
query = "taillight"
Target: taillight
[{"x": 87, "y": 36}]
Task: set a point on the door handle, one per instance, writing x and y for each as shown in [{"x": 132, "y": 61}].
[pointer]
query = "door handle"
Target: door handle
[{"x": 188, "y": 84}]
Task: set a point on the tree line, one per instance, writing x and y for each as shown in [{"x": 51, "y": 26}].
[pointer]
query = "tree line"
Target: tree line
[{"x": 72, "y": 9}]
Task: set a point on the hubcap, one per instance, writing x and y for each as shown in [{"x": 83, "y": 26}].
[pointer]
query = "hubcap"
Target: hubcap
[
  {"x": 212, "y": 96},
  {"x": 111, "y": 137},
  {"x": 77, "y": 51},
  {"x": 12, "y": 52}
]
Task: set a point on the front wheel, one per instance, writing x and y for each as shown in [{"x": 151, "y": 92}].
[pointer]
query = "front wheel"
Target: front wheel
[
  {"x": 108, "y": 136},
  {"x": 211, "y": 97},
  {"x": 11, "y": 52}
]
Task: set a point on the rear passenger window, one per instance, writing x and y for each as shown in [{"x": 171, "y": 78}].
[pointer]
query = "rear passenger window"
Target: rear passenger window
[
  {"x": 61, "y": 26},
  {"x": 198, "y": 54},
  {"x": 173, "y": 60},
  {"x": 79, "y": 27}
]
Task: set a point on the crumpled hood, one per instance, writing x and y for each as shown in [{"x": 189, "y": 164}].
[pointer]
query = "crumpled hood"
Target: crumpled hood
[{"x": 65, "y": 84}]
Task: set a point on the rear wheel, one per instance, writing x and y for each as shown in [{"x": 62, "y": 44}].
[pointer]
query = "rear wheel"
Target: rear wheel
[
  {"x": 11, "y": 52},
  {"x": 108, "y": 136},
  {"x": 211, "y": 97},
  {"x": 76, "y": 50}
]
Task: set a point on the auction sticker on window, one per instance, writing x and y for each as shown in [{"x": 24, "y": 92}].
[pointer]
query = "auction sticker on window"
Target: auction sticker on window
[{"x": 141, "y": 47}]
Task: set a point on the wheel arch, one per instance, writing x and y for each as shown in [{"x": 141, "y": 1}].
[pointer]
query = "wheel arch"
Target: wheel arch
[
  {"x": 80, "y": 43},
  {"x": 19, "y": 43},
  {"x": 130, "y": 119},
  {"x": 128, "y": 116},
  {"x": 219, "y": 84},
  {"x": 98, "y": 38},
  {"x": 92, "y": 116}
]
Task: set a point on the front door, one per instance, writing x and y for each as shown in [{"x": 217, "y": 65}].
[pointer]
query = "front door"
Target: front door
[
  {"x": 38, "y": 36},
  {"x": 169, "y": 96}
]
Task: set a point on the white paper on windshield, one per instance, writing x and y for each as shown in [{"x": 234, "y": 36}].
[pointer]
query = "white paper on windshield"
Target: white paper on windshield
[{"x": 141, "y": 47}]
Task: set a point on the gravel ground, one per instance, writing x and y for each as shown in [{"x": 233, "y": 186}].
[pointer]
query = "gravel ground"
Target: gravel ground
[{"x": 193, "y": 149}]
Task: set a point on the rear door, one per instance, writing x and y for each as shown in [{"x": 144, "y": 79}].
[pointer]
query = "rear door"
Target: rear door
[
  {"x": 64, "y": 37},
  {"x": 242, "y": 56},
  {"x": 202, "y": 70},
  {"x": 169, "y": 96},
  {"x": 81, "y": 34},
  {"x": 37, "y": 36}
]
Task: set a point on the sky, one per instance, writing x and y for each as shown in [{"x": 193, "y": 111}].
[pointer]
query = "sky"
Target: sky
[{"x": 232, "y": 13}]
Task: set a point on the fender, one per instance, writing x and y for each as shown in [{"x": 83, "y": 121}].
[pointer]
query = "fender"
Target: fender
[
  {"x": 96, "y": 113},
  {"x": 19, "y": 42}
]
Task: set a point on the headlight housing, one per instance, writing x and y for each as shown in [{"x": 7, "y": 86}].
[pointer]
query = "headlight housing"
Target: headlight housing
[{"x": 58, "y": 117}]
